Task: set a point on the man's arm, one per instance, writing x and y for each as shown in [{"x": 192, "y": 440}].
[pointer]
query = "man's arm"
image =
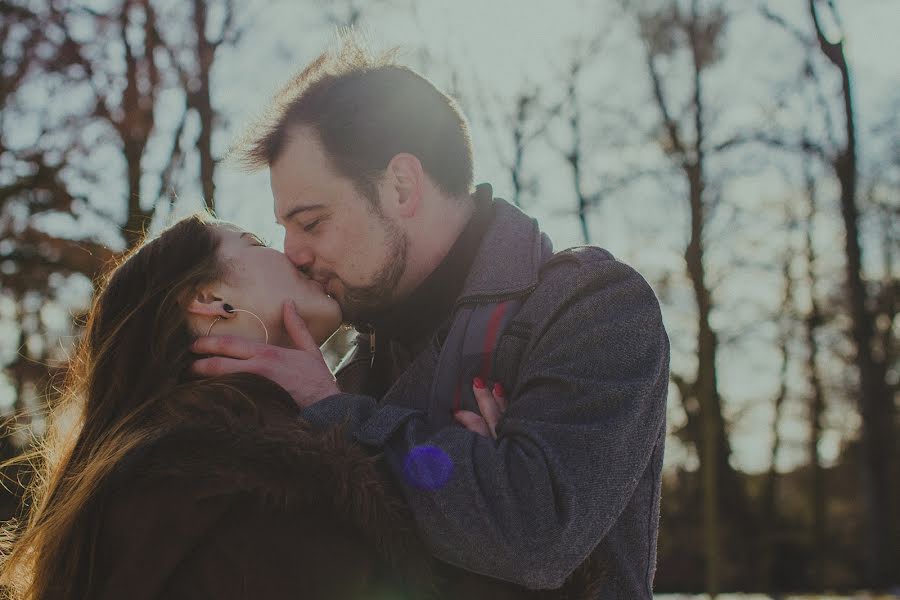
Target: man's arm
[{"x": 583, "y": 419}]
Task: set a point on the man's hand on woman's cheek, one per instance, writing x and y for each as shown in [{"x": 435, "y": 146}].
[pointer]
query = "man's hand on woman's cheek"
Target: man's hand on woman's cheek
[{"x": 301, "y": 370}]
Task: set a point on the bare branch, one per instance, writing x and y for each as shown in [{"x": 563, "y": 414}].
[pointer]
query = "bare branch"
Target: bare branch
[
  {"x": 834, "y": 51},
  {"x": 174, "y": 160},
  {"x": 798, "y": 34},
  {"x": 805, "y": 144}
]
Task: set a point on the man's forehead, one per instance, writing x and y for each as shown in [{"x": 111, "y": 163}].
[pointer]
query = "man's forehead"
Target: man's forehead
[
  {"x": 295, "y": 205},
  {"x": 303, "y": 178}
]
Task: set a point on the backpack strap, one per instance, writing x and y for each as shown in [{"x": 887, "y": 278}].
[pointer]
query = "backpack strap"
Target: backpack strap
[
  {"x": 489, "y": 339},
  {"x": 568, "y": 270},
  {"x": 467, "y": 352}
]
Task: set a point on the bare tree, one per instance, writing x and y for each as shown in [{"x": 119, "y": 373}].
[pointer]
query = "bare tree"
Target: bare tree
[
  {"x": 876, "y": 403},
  {"x": 194, "y": 61},
  {"x": 686, "y": 145},
  {"x": 575, "y": 153},
  {"x": 514, "y": 129},
  {"x": 786, "y": 325},
  {"x": 571, "y": 110},
  {"x": 526, "y": 126},
  {"x": 812, "y": 321},
  {"x": 65, "y": 48},
  {"x": 35, "y": 183},
  {"x": 132, "y": 115}
]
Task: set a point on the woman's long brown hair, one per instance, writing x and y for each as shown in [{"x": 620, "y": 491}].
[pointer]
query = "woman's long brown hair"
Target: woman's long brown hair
[{"x": 134, "y": 355}]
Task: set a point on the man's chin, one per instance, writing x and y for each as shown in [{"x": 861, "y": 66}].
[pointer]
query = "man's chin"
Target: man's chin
[
  {"x": 362, "y": 306},
  {"x": 361, "y": 324},
  {"x": 361, "y": 320}
]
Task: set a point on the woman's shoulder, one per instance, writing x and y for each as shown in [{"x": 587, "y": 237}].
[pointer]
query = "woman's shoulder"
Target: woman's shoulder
[
  {"x": 238, "y": 442},
  {"x": 254, "y": 472}
]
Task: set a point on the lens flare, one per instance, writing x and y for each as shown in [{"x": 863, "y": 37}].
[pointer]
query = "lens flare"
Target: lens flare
[{"x": 427, "y": 467}]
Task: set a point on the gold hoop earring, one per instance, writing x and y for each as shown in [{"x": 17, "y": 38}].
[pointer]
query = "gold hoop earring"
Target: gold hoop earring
[{"x": 254, "y": 315}]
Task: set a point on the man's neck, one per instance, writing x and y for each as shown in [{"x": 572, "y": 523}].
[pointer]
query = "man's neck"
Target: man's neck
[
  {"x": 429, "y": 245},
  {"x": 412, "y": 319}
]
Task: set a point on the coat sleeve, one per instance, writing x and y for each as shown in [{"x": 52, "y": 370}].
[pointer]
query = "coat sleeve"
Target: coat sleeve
[{"x": 584, "y": 417}]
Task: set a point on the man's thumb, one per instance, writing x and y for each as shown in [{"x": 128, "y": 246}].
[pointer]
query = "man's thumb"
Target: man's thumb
[{"x": 296, "y": 328}]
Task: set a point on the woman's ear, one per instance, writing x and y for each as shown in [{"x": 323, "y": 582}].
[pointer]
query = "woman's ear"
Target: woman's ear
[{"x": 207, "y": 304}]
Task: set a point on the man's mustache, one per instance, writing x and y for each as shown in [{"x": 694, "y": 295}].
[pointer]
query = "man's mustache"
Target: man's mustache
[{"x": 322, "y": 277}]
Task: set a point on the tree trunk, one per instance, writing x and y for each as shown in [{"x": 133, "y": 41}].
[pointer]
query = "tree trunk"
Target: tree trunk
[
  {"x": 573, "y": 157},
  {"x": 706, "y": 387},
  {"x": 875, "y": 402},
  {"x": 770, "y": 488},
  {"x": 515, "y": 170},
  {"x": 138, "y": 102},
  {"x": 816, "y": 402},
  {"x": 202, "y": 103},
  {"x": 722, "y": 487},
  {"x": 137, "y": 218}
]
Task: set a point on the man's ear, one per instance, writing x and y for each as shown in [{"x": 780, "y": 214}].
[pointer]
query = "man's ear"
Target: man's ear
[
  {"x": 407, "y": 178},
  {"x": 207, "y": 304}
]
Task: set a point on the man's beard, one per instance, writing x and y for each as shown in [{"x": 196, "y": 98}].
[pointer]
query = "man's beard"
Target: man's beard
[{"x": 361, "y": 303}]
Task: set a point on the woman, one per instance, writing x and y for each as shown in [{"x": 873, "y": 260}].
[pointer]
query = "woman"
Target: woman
[
  {"x": 176, "y": 487},
  {"x": 172, "y": 486}
]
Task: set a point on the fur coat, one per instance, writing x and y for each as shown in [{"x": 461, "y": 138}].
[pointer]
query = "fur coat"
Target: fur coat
[{"x": 243, "y": 500}]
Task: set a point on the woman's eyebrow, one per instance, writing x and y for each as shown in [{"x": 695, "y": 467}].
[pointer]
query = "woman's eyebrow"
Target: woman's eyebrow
[{"x": 253, "y": 235}]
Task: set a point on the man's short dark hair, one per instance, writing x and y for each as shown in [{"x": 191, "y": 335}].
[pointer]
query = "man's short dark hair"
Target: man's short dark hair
[{"x": 365, "y": 110}]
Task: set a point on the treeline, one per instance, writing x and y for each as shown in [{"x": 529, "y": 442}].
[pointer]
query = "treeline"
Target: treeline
[
  {"x": 789, "y": 554},
  {"x": 659, "y": 117}
]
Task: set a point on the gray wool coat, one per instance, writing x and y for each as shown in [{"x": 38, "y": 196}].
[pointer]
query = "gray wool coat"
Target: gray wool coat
[{"x": 574, "y": 476}]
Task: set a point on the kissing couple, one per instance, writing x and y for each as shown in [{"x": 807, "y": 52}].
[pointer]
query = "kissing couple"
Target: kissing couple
[{"x": 496, "y": 431}]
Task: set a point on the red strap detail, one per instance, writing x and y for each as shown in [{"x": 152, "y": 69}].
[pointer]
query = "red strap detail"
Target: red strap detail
[{"x": 490, "y": 339}]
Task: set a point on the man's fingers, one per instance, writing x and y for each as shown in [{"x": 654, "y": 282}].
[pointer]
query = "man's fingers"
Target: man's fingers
[
  {"x": 220, "y": 365},
  {"x": 296, "y": 328},
  {"x": 487, "y": 405},
  {"x": 226, "y": 345},
  {"x": 472, "y": 422}
]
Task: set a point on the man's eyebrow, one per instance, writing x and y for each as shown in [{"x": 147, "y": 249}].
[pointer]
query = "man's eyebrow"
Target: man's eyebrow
[{"x": 297, "y": 210}]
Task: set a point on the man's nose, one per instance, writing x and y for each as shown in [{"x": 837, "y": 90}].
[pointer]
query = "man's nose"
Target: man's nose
[{"x": 301, "y": 255}]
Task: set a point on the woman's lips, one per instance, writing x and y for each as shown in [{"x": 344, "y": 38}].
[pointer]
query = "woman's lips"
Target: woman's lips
[
  {"x": 322, "y": 286},
  {"x": 305, "y": 276},
  {"x": 327, "y": 287}
]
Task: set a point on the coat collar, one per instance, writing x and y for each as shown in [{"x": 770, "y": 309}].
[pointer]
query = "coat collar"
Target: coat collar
[{"x": 510, "y": 257}]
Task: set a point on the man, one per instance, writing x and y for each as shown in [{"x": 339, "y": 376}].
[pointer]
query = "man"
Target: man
[{"x": 371, "y": 172}]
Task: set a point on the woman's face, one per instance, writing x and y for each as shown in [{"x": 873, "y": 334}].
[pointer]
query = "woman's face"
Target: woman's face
[{"x": 260, "y": 279}]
